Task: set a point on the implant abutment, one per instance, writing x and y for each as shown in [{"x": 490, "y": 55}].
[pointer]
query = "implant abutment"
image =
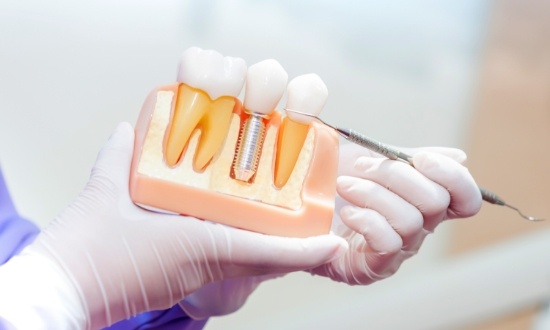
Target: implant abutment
[{"x": 249, "y": 147}]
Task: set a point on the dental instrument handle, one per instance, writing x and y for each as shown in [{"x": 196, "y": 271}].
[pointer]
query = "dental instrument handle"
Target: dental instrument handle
[
  {"x": 491, "y": 197},
  {"x": 394, "y": 154},
  {"x": 373, "y": 145}
]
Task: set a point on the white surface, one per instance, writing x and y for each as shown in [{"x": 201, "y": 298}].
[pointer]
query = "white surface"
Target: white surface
[{"x": 402, "y": 72}]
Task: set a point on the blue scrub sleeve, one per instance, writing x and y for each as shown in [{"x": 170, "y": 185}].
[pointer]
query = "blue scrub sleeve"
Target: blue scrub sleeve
[
  {"x": 169, "y": 319},
  {"x": 17, "y": 232},
  {"x": 5, "y": 325}
]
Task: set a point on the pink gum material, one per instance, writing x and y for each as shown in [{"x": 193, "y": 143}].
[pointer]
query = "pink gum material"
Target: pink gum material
[{"x": 311, "y": 219}]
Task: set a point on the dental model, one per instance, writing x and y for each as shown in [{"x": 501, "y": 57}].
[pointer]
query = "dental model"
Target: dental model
[{"x": 199, "y": 152}]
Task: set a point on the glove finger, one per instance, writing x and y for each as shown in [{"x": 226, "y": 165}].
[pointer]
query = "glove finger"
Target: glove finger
[
  {"x": 109, "y": 176},
  {"x": 349, "y": 152},
  {"x": 256, "y": 254},
  {"x": 430, "y": 198},
  {"x": 456, "y": 154},
  {"x": 455, "y": 178},
  {"x": 375, "y": 229},
  {"x": 403, "y": 217},
  {"x": 378, "y": 253},
  {"x": 114, "y": 159}
]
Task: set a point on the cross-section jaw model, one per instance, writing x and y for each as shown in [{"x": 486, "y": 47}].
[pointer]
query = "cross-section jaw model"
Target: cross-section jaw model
[{"x": 200, "y": 152}]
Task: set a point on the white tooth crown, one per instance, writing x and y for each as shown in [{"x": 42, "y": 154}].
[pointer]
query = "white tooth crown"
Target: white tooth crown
[
  {"x": 265, "y": 85},
  {"x": 308, "y": 94},
  {"x": 209, "y": 71}
]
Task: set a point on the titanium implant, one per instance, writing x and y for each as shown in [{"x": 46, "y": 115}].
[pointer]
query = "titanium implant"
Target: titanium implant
[{"x": 249, "y": 148}]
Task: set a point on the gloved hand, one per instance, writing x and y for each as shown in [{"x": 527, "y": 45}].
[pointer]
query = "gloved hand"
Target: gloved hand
[
  {"x": 386, "y": 208},
  {"x": 382, "y": 235},
  {"x": 121, "y": 260}
]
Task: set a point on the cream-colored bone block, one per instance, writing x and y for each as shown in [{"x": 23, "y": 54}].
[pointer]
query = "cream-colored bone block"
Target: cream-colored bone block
[{"x": 216, "y": 177}]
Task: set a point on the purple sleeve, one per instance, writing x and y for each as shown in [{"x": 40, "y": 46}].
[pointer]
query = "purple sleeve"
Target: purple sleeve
[
  {"x": 15, "y": 231},
  {"x": 169, "y": 319},
  {"x": 5, "y": 325}
]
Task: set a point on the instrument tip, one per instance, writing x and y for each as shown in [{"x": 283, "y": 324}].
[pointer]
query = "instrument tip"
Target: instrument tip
[{"x": 526, "y": 217}]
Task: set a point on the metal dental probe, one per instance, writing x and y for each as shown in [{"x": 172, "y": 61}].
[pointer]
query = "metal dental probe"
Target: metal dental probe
[{"x": 394, "y": 154}]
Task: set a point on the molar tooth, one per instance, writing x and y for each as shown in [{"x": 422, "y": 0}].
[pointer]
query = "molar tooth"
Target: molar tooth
[
  {"x": 265, "y": 85},
  {"x": 214, "y": 127},
  {"x": 308, "y": 94},
  {"x": 206, "y": 98}
]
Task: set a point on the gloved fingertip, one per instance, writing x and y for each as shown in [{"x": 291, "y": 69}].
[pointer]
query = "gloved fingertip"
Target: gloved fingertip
[
  {"x": 341, "y": 248},
  {"x": 455, "y": 154},
  {"x": 116, "y": 155},
  {"x": 121, "y": 141},
  {"x": 335, "y": 244},
  {"x": 122, "y": 133},
  {"x": 344, "y": 182},
  {"x": 364, "y": 163},
  {"x": 124, "y": 127},
  {"x": 425, "y": 160},
  {"x": 349, "y": 211}
]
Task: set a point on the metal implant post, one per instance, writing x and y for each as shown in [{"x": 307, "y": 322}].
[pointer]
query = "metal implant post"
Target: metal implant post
[
  {"x": 249, "y": 147},
  {"x": 265, "y": 85}
]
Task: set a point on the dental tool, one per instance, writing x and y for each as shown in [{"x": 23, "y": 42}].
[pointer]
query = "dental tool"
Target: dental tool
[{"x": 394, "y": 154}]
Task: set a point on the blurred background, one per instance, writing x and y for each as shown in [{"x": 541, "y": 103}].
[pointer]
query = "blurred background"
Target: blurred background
[{"x": 472, "y": 74}]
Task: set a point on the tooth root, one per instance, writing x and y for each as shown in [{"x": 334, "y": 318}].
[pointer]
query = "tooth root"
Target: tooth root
[
  {"x": 214, "y": 127},
  {"x": 292, "y": 136},
  {"x": 191, "y": 106}
]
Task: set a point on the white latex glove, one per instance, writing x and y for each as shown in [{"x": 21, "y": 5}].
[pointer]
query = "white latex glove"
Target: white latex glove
[
  {"x": 119, "y": 260},
  {"x": 387, "y": 208}
]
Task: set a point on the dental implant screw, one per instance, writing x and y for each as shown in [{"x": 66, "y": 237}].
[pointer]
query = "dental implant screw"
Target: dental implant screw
[{"x": 249, "y": 147}]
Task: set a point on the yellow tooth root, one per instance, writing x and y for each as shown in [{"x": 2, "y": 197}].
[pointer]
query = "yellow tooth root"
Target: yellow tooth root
[
  {"x": 191, "y": 105},
  {"x": 214, "y": 127},
  {"x": 289, "y": 145}
]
